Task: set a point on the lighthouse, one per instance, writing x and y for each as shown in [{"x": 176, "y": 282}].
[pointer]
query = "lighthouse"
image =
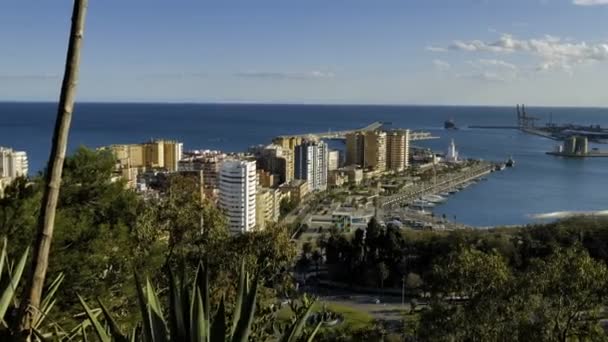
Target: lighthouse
[{"x": 452, "y": 155}]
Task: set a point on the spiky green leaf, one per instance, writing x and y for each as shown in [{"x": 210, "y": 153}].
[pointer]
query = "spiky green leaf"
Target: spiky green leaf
[
  {"x": 2, "y": 257},
  {"x": 143, "y": 308},
  {"x": 312, "y": 335},
  {"x": 99, "y": 329},
  {"x": 198, "y": 322},
  {"x": 9, "y": 291},
  {"x": 155, "y": 313},
  {"x": 296, "y": 329},
  {"x": 177, "y": 325},
  {"x": 247, "y": 312},
  {"x": 241, "y": 292},
  {"x": 115, "y": 330},
  {"x": 218, "y": 328}
]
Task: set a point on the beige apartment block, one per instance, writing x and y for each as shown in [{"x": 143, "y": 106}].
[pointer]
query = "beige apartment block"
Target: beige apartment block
[{"x": 375, "y": 151}]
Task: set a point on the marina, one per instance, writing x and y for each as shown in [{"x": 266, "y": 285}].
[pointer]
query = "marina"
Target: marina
[{"x": 421, "y": 194}]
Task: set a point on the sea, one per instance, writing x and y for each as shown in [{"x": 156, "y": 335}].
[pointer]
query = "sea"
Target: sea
[{"x": 538, "y": 184}]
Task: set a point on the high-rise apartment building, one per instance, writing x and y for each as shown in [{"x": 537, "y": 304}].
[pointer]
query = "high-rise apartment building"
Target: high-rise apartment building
[
  {"x": 237, "y": 195},
  {"x": 311, "y": 159},
  {"x": 355, "y": 148},
  {"x": 288, "y": 145},
  {"x": 333, "y": 162},
  {"x": 210, "y": 163},
  {"x": 375, "y": 151},
  {"x": 397, "y": 150},
  {"x": 278, "y": 161},
  {"x": 156, "y": 154},
  {"x": 13, "y": 164},
  {"x": 268, "y": 203},
  {"x": 287, "y": 142}
]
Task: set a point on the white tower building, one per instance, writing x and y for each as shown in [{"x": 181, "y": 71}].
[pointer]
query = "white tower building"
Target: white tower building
[
  {"x": 13, "y": 164},
  {"x": 452, "y": 155},
  {"x": 311, "y": 164},
  {"x": 237, "y": 195}
]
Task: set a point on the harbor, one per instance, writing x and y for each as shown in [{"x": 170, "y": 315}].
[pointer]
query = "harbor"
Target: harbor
[
  {"x": 529, "y": 124},
  {"x": 427, "y": 193},
  {"x": 577, "y": 147}
]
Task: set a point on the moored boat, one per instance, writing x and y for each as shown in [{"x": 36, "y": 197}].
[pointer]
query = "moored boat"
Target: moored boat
[
  {"x": 510, "y": 162},
  {"x": 420, "y": 203},
  {"x": 434, "y": 198}
]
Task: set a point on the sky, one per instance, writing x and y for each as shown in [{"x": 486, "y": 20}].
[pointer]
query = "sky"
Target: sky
[{"x": 461, "y": 52}]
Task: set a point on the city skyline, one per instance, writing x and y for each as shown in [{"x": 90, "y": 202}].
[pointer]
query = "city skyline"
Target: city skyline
[{"x": 466, "y": 52}]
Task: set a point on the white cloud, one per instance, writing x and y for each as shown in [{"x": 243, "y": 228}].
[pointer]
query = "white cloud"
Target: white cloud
[
  {"x": 490, "y": 76},
  {"x": 498, "y": 63},
  {"x": 441, "y": 65},
  {"x": 590, "y": 2},
  {"x": 552, "y": 52},
  {"x": 273, "y": 75},
  {"x": 492, "y": 70},
  {"x": 436, "y": 49}
]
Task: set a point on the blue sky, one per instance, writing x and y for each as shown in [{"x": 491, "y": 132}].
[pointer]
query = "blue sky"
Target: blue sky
[{"x": 486, "y": 52}]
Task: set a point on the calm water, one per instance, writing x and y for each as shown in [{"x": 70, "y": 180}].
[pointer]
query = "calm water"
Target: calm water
[{"x": 538, "y": 184}]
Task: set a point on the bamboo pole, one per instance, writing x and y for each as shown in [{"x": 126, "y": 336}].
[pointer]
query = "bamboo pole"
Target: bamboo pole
[{"x": 28, "y": 310}]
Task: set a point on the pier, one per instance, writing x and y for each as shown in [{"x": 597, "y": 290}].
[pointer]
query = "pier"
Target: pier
[
  {"x": 341, "y": 135},
  {"x": 529, "y": 124},
  {"x": 441, "y": 184},
  {"x": 493, "y": 127},
  {"x": 593, "y": 154}
]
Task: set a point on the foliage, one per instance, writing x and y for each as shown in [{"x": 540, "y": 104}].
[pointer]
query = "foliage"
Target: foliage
[
  {"x": 189, "y": 314},
  {"x": 370, "y": 258},
  {"x": 104, "y": 231},
  {"x": 557, "y": 299},
  {"x": 413, "y": 281},
  {"x": 10, "y": 277},
  {"x": 288, "y": 205},
  {"x": 99, "y": 233}
]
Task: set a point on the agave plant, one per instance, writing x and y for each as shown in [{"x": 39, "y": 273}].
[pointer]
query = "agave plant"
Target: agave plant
[
  {"x": 302, "y": 311},
  {"x": 10, "y": 277},
  {"x": 189, "y": 317}
]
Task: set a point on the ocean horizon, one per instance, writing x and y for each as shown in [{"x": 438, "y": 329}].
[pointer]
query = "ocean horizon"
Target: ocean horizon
[{"x": 539, "y": 184}]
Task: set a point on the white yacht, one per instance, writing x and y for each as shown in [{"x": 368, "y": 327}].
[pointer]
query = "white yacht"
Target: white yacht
[{"x": 434, "y": 198}]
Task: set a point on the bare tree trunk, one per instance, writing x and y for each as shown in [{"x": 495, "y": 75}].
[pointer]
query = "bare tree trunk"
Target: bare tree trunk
[{"x": 28, "y": 310}]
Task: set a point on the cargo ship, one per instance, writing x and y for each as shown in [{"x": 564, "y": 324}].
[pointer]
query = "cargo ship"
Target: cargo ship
[{"x": 449, "y": 124}]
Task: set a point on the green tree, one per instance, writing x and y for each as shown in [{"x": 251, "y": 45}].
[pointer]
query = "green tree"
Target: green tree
[
  {"x": 559, "y": 298},
  {"x": 413, "y": 282},
  {"x": 306, "y": 249},
  {"x": 102, "y": 232},
  {"x": 567, "y": 293},
  {"x": 480, "y": 281},
  {"x": 382, "y": 273}
]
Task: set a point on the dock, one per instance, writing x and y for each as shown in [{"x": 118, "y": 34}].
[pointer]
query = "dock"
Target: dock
[
  {"x": 492, "y": 127},
  {"x": 443, "y": 183},
  {"x": 539, "y": 133},
  {"x": 341, "y": 135},
  {"x": 529, "y": 124},
  {"x": 597, "y": 154}
]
